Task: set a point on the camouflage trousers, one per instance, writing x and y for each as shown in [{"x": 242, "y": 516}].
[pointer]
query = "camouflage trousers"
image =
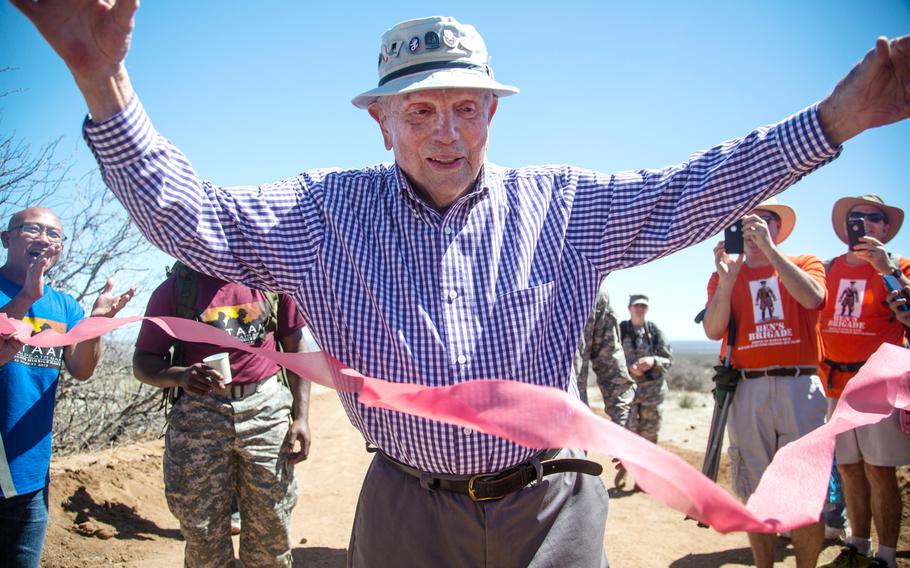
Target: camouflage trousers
[
  {"x": 618, "y": 395},
  {"x": 215, "y": 447},
  {"x": 617, "y": 392},
  {"x": 647, "y": 408}
]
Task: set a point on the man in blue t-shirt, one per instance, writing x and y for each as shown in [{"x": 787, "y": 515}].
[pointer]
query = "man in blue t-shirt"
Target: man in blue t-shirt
[{"x": 28, "y": 376}]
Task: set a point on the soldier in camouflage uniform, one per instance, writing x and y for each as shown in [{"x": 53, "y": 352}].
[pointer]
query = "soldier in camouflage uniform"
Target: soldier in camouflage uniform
[
  {"x": 227, "y": 439},
  {"x": 649, "y": 357},
  {"x": 599, "y": 351}
]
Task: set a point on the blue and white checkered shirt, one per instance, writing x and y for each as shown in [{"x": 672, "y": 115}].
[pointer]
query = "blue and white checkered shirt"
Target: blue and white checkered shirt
[{"x": 499, "y": 286}]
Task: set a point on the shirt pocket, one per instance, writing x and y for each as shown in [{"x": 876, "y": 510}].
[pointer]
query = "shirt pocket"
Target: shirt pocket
[{"x": 519, "y": 323}]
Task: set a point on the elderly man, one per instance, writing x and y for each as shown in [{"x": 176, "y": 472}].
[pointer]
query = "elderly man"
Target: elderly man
[
  {"x": 781, "y": 397},
  {"x": 866, "y": 457},
  {"x": 28, "y": 376},
  {"x": 443, "y": 268}
]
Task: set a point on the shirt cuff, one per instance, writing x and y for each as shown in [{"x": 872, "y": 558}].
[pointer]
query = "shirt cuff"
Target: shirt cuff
[
  {"x": 803, "y": 142},
  {"x": 122, "y": 138}
]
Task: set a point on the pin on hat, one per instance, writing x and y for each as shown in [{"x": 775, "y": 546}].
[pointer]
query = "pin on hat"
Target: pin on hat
[{"x": 442, "y": 53}]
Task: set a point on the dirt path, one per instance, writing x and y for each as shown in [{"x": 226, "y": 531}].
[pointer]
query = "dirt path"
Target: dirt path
[{"x": 108, "y": 509}]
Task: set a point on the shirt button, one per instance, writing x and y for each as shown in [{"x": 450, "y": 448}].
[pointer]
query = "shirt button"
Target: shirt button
[
  {"x": 447, "y": 230},
  {"x": 462, "y": 359},
  {"x": 467, "y": 431},
  {"x": 453, "y": 294}
]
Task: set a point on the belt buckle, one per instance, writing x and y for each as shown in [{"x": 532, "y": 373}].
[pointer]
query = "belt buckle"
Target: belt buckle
[
  {"x": 796, "y": 371},
  {"x": 471, "y": 481}
]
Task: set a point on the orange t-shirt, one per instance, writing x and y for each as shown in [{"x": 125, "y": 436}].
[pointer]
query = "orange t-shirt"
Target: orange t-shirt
[
  {"x": 857, "y": 319},
  {"x": 772, "y": 329}
]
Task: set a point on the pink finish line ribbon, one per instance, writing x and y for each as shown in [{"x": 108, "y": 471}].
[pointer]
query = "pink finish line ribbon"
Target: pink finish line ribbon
[{"x": 791, "y": 492}]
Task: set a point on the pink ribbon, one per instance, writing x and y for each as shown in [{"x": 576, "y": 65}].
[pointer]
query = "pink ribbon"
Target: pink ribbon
[{"x": 791, "y": 492}]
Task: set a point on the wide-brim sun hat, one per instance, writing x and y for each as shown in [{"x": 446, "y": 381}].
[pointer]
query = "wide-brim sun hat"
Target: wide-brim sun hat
[
  {"x": 432, "y": 53},
  {"x": 786, "y": 214},
  {"x": 844, "y": 205}
]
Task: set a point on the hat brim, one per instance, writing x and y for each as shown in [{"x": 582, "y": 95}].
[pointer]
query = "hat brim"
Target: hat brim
[
  {"x": 435, "y": 79},
  {"x": 787, "y": 219},
  {"x": 843, "y": 206}
]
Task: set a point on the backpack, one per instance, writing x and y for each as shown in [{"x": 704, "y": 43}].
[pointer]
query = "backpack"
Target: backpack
[
  {"x": 653, "y": 334},
  {"x": 186, "y": 282}
]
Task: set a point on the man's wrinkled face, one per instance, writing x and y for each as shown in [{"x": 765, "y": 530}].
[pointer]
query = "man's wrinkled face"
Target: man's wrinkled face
[
  {"x": 439, "y": 138},
  {"x": 875, "y": 219},
  {"x": 29, "y": 234}
]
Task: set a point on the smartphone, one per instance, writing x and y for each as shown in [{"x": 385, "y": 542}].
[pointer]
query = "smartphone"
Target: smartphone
[
  {"x": 893, "y": 284},
  {"x": 856, "y": 228},
  {"x": 733, "y": 238}
]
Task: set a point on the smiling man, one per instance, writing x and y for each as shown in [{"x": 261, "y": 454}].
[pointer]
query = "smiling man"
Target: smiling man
[
  {"x": 28, "y": 376},
  {"x": 442, "y": 267}
]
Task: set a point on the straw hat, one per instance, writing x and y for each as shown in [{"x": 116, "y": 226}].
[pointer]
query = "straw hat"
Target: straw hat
[
  {"x": 432, "y": 53},
  {"x": 843, "y": 206},
  {"x": 785, "y": 212}
]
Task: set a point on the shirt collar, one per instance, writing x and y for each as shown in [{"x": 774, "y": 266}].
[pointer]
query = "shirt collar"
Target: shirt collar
[{"x": 421, "y": 207}]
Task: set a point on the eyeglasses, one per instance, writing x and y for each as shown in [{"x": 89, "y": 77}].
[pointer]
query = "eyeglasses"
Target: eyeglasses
[
  {"x": 35, "y": 230},
  {"x": 871, "y": 217},
  {"x": 768, "y": 217}
]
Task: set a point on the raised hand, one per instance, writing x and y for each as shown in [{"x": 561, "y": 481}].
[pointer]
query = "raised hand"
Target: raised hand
[
  {"x": 873, "y": 251},
  {"x": 727, "y": 267},
  {"x": 108, "y": 304},
  {"x": 875, "y": 92},
  {"x": 33, "y": 287},
  {"x": 92, "y": 37}
]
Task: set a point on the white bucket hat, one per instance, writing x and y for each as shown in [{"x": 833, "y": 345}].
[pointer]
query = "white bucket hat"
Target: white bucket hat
[{"x": 432, "y": 53}]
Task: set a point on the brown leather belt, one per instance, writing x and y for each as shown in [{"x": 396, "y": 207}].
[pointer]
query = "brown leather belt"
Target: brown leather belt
[
  {"x": 780, "y": 372},
  {"x": 489, "y": 486}
]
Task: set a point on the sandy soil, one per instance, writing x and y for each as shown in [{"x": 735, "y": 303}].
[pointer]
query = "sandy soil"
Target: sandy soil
[{"x": 108, "y": 508}]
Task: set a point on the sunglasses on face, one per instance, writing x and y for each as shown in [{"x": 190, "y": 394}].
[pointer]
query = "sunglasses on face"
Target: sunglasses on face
[
  {"x": 34, "y": 231},
  {"x": 768, "y": 217},
  {"x": 871, "y": 217}
]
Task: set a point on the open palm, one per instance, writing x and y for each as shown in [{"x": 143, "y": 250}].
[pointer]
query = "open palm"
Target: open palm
[{"x": 91, "y": 36}]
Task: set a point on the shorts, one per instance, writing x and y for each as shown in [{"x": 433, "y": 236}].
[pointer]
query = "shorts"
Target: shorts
[
  {"x": 883, "y": 444},
  {"x": 768, "y": 413}
]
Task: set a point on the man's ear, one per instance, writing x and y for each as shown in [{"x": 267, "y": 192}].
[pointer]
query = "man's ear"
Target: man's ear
[
  {"x": 378, "y": 113},
  {"x": 494, "y": 104},
  {"x": 4, "y": 238}
]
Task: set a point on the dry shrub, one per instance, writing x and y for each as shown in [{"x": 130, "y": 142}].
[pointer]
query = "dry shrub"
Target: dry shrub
[{"x": 112, "y": 408}]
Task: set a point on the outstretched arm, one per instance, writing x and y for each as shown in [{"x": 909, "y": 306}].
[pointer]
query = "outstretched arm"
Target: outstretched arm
[
  {"x": 874, "y": 93},
  {"x": 92, "y": 37}
]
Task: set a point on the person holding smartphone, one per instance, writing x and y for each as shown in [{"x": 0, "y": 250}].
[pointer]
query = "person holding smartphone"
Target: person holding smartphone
[
  {"x": 866, "y": 457},
  {"x": 774, "y": 300}
]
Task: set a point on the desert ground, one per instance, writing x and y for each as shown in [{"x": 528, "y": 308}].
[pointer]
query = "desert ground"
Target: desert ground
[{"x": 108, "y": 508}]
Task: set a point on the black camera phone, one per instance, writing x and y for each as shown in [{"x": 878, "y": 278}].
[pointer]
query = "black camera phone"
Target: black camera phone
[
  {"x": 856, "y": 229},
  {"x": 733, "y": 238},
  {"x": 894, "y": 285}
]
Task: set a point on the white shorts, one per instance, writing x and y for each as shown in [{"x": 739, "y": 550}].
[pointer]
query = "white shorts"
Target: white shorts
[
  {"x": 768, "y": 413},
  {"x": 883, "y": 444}
]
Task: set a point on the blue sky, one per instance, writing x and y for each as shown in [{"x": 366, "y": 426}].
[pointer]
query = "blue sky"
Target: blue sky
[{"x": 254, "y": 92}]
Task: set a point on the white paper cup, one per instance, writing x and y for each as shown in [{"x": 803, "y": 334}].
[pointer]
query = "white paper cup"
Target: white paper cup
[{"x": 221, "y": 363}]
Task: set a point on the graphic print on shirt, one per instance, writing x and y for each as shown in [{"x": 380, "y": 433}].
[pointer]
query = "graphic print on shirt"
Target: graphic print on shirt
[
  {"x": 850, "y": 299},
  {"x": 766, "y": 304},
  {"x": 246, "y": 322},
  {"x": 42, "y": 357}
]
